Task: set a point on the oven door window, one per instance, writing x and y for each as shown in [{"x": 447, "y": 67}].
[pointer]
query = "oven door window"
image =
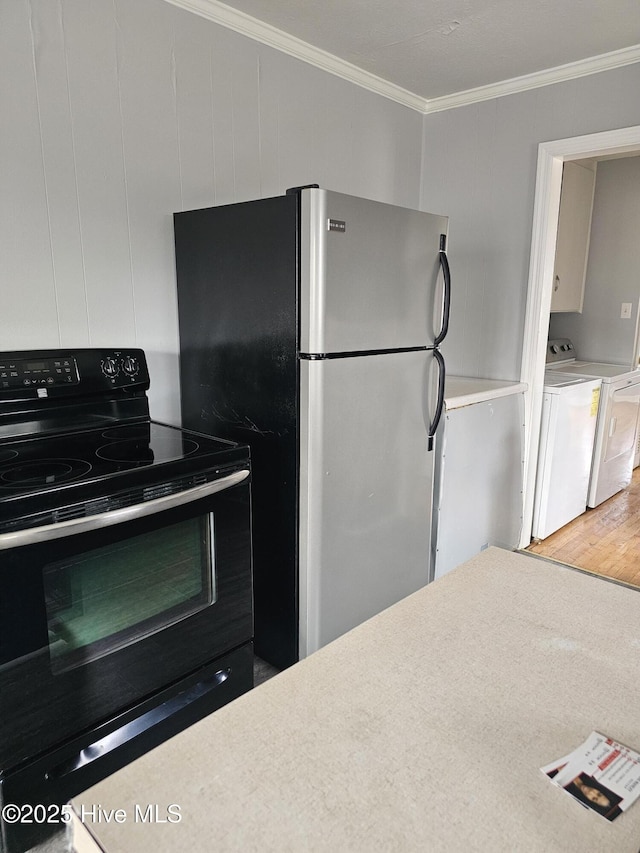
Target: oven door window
[{"x": 107, "y": 598}]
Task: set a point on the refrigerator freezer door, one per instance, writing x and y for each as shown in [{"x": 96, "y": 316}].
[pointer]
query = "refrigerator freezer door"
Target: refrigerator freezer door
[
  {"x": 370, "y": 274},
  {"x": 365, "y": 489}
]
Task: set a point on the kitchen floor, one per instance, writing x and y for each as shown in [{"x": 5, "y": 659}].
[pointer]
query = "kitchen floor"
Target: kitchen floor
[
  {"x": 262, "y": 672},
  {"x": 604, "y": 540}
]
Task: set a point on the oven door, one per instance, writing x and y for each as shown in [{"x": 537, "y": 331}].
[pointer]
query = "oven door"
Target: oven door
[{"x": 99, "y": 614}]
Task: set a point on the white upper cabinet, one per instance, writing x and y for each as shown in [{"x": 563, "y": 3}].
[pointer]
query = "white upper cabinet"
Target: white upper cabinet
[{"x": 574, "y": 229}]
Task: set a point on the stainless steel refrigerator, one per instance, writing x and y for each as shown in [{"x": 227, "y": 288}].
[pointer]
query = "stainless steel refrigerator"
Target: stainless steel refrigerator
[{"x": 309, "y": 328}]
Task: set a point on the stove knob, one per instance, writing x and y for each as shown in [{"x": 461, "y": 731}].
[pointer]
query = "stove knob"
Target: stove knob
[
  {"x": 130, "y": 365},
  {"x": 110, "y": 367},
  {"x": 555, "y": 349}
]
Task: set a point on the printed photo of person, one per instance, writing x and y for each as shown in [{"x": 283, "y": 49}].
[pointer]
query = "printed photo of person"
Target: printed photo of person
[{"x": 594, "y": 795}]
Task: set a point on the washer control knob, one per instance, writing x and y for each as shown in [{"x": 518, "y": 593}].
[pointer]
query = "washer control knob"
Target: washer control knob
[
  {"x": 555, "y": 348},
  {"x": 110, "y": 367},
  {"x": 130, "y": 365}
]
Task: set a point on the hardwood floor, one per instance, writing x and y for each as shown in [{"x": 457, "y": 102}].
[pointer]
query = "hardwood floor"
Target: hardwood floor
[{"x": 604, "y": 540}]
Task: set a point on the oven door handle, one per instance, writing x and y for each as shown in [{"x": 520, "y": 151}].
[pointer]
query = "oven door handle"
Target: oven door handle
[{"x": 73, "y": 526}]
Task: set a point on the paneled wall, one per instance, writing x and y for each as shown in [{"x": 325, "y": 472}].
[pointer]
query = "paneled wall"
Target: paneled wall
[
  {"x": 115, "y": 114},
  {"x": 479, "y": 165}
]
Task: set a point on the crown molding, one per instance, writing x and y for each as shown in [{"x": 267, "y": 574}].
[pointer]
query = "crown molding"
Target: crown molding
[
  {"x": 259, "y": 31},
  {"x": 570, "y": 71},
  {"x": 266, "y": 34}
]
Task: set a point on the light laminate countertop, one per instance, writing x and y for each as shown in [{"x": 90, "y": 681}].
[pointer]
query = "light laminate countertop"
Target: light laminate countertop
[
  {"x": 421, "y": 730},
  {"x": 462, "y": 391}
]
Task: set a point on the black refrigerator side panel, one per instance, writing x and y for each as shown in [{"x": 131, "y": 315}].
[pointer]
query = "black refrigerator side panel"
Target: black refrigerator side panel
[{"x": 237, "y": 272}]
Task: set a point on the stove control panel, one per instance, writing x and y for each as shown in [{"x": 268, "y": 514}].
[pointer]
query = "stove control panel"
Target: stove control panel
[
  {"x": 38, "y": 372},
  {"x": 71, "y": 372}
]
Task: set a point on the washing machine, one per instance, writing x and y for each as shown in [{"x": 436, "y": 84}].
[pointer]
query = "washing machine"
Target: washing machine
[
  {"x": 617, "y": 424},
  {"x": 567, "y": 434}
]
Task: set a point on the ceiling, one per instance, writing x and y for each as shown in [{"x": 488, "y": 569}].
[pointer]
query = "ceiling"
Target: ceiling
[{"x": 434, "y": 52}]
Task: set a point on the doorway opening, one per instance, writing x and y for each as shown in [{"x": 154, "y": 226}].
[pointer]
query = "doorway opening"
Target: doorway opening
[{"x": 551, "y": 158}]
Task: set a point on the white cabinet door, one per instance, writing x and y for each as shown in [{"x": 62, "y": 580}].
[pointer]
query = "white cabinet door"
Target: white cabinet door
[
  {"x": 574, "y": 229},
  {"x": 478, "y": 481}
]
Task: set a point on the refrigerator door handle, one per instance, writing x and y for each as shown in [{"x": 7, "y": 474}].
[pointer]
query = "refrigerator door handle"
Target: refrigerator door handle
[
  {"x": 440, "y": 400},
  {"x": 446, "y": 299}
]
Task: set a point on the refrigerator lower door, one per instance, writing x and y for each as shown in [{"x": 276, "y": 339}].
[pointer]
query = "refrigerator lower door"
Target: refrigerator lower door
[{"x": 365, "y": 489}]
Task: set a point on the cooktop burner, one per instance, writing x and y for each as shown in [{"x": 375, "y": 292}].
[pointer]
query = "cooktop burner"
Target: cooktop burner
[
  {"x": 43, "y": 462},
  {"x": 144, "y": 444},
  {"x": 45, "y": 472}
]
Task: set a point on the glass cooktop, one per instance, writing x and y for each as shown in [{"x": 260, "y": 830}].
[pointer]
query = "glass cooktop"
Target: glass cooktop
[{"x": 44, "y": 462}]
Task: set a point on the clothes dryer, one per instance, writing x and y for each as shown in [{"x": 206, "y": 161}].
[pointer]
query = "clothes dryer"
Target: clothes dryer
[{"x": 617, "y": 424}]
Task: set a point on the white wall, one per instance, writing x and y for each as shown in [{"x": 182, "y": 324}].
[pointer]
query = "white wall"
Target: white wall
[
  {"x": 115, "y": 114},
  {"x": 479, "y": 166},
  {"x": 613, "y": 269}
]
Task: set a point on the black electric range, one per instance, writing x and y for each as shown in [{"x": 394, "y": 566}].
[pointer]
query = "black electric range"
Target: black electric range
[{"x": 126, "y": 611}]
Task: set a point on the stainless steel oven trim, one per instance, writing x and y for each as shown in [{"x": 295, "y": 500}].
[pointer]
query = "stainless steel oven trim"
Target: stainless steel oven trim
[{"x": 73, "y": 526}]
